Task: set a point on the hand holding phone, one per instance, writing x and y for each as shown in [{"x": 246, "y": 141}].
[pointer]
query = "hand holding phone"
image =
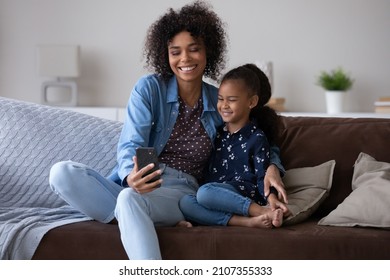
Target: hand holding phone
[{"x": 146, "y": 156}]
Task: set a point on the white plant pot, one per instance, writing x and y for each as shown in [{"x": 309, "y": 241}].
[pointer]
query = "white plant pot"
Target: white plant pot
[{"x": 335, "y": 101}]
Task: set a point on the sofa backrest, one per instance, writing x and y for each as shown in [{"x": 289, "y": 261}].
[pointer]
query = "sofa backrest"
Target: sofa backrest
[
  {"x": 309, "y": 141},
  {"x": 33, "y": 137}
]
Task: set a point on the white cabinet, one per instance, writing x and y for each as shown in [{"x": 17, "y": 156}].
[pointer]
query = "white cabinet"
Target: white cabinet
[
  {"x": 110, "y": 113},
  {"x": 341, "y": 115}
]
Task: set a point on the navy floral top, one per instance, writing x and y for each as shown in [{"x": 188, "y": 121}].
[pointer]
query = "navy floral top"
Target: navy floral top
[{"x": 241, "y": 159}]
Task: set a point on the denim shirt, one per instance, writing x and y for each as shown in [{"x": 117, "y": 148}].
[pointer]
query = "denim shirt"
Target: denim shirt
[{"x": 151, "y": 114}]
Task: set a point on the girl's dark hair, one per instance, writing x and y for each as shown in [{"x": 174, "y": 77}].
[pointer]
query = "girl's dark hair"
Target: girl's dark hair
[
  {"x": 257, "y": 82},
  {"x": 201, "y": 22}
]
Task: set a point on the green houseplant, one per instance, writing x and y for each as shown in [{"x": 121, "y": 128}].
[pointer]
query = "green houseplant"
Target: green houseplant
[
  {"x": 336, "y": 83},
  {"x": 335, "y": 80}
]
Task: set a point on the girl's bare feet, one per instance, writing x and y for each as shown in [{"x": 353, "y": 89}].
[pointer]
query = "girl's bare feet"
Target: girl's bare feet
[
  {"x": 184, "y": 224},
  {"x": 277, "y": 219},
  {"x": 275, "y": 216},
  {"x": 268, "y": 220},
  {"x": 262, "y": 221},
  {"x": 271, "y": 218}
]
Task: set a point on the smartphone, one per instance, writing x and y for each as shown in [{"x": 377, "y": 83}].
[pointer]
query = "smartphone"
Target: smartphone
[{"x": 145, "y": 156}]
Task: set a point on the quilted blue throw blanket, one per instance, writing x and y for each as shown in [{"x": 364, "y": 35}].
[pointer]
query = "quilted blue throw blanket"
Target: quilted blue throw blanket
[{"x": 32, "y": 138}]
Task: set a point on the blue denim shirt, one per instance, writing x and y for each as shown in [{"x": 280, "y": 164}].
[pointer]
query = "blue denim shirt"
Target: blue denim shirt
[{"x": 151, "y": 114}]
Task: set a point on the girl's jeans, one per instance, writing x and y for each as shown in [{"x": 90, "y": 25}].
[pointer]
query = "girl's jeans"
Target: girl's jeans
[
  {"x": 214, "y": 204},
  {"x": 137, "y": 214}
]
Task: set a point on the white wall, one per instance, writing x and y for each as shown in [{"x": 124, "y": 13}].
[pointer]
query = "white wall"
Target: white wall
[{"x": 301, "y": 37}]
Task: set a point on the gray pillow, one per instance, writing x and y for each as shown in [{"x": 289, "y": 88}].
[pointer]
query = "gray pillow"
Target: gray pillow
[
  {"x": 306, "y": 189},
  {"x": 369, "y": 203}
]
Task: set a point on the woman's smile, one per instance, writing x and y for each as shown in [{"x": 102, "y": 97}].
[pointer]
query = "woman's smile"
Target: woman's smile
[{"x": 187, "y": 68}]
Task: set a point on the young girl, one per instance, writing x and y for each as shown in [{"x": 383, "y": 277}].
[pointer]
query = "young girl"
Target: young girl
[{"x": 234, "y": 192}]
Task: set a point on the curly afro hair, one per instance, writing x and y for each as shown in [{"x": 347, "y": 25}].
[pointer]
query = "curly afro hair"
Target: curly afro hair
[{"x": 201, "y": 22}]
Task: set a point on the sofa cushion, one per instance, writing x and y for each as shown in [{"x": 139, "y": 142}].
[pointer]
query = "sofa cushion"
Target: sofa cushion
[
  {"x": 304, "y": 241},
  {"x": 306, "y": 189},
  {"x": 368, "y": 204}
]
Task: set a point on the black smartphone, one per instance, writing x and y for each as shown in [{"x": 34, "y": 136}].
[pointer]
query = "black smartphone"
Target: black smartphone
[{"x": 145, "y": 156}]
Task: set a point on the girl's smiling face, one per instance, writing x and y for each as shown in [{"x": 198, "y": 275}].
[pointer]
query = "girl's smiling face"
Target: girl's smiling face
[{"x": 235, "y": 102}]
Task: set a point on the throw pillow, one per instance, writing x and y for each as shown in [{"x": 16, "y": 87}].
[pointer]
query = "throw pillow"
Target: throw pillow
[
  {"x": 368, "y": 204},
  {"x": 306, "y": 189}
]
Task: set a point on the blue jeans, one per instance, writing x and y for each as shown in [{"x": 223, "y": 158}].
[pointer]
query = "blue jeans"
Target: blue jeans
[
  {"x": 137, "y": 214},
  {"x": 214, "y": 204}
]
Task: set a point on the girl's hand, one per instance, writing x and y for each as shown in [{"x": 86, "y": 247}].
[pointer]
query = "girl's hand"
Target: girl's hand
[
  {"x": 139, "y": 183},
  {"x": 272, "y": 178}
]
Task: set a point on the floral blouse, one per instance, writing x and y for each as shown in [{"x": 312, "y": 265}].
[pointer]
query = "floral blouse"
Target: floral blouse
[{"x": 241, "y": 159}]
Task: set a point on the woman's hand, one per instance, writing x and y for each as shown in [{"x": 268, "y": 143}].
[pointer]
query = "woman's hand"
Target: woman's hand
[
  {"x": 275, "y": 203},
  {"x": 139, "y": 183},
  {"x": 272, "y": 178}
]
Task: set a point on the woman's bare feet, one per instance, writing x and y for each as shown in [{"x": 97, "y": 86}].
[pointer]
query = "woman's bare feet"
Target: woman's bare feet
[{"x": 184, "y": 224}]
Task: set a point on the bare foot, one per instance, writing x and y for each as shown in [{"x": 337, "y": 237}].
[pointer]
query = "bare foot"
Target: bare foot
[
  {"x": 184, "y": 224},
  {"x": 269, "y": 219},
  {"x": 262, "y": 221},
  {"x": 277, "y": 219}
]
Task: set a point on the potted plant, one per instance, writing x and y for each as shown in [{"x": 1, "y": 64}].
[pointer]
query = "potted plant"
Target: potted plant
[{"x": 336, "y": 83}]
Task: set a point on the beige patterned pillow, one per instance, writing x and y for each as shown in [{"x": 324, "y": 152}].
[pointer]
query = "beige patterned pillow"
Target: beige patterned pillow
[{"x": 369, "y": 203}]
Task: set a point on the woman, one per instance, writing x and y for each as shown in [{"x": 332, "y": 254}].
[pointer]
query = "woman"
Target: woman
[{"x": 172, "y": 110}]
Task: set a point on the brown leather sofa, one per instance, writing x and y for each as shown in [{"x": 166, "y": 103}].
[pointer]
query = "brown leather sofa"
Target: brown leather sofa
[{"x": 304, "y": 141}]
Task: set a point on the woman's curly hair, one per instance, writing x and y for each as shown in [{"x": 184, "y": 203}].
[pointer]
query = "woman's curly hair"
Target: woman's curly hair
[{"x": 201, "y": 22}]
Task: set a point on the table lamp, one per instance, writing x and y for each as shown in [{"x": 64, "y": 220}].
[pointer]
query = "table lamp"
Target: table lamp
[{"x": 60, "y": 62}]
